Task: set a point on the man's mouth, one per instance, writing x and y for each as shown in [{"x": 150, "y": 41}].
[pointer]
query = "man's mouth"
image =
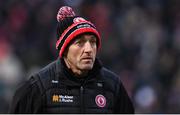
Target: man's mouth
[{"x": 87, "y": 59}]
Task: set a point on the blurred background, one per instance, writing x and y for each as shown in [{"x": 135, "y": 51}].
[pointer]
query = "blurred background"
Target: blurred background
[{"x": 140, "y": 42}]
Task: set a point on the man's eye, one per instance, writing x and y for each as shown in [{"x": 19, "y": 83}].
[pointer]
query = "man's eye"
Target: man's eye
[
  {"x": 93, "y": 42},
  {"x": 79, "y": 42}
]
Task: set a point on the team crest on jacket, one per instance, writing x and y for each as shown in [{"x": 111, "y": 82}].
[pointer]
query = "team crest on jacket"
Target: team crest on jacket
[{"x": 100, "y": 100}]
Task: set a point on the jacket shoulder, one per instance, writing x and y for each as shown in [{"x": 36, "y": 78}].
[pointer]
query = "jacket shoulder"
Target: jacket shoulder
[
  {"x": 111, "y": 79},
  {"x": 48, "y": 69},
  {"x": 24, "y": 96},
  {"x": 44, "y": 77},
  {"x": 109, "y": 75}
]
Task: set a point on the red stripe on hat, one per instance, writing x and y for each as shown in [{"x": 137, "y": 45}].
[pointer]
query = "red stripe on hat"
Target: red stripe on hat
[
  {"x": 70, "y": 27},
  {"x": 74, "y": 34}
]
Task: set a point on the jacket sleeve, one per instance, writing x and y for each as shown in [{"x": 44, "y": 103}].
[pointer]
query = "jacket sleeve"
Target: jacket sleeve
[
  {"x": 26, "y": 99},
  {"x": 123, "y": 103}
]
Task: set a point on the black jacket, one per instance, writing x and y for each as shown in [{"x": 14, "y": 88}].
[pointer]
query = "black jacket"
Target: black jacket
[{"x": 55, "y": 90}]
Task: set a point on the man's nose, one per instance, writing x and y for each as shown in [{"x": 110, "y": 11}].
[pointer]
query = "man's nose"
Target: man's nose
[{"x": 88, "y": 47}]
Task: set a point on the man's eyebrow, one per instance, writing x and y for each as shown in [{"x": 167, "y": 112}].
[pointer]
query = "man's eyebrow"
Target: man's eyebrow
[
  {"x": 78, "y": 39},
  {"x": 93, "y": 36}
]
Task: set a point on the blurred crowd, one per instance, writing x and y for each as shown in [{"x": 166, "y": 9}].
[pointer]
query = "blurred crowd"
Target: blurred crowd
[{"x": 140, "y": 42}]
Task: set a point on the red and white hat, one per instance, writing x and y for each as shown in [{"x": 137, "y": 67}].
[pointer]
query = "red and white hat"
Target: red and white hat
[{"x": 70, "y": 26}]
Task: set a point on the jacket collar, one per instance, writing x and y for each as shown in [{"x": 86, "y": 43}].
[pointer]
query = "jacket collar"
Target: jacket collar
[{"x": 67, "y": 75}]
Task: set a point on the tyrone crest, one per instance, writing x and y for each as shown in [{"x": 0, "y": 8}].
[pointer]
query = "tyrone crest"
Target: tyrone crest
[
  {"x": 78, "y": 19},
  {"x": 100, "y": 100}
]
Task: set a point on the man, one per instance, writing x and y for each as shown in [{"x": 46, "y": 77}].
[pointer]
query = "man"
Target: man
[{"x": 76, "y": 82}]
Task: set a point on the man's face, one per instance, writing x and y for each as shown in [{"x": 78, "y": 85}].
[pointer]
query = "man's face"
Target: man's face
[{"x": 82, "y": 52}]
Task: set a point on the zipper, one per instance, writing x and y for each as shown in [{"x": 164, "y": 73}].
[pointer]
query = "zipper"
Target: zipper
[{"x": 82, "y": 99}]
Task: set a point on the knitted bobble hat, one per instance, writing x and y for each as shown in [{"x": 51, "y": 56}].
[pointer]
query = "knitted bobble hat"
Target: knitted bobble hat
[{"x": 69, "y": 26}]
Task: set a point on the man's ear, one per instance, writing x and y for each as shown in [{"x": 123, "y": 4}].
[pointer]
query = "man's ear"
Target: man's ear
[
  {"x": 65, "y": 52},
  {"x": 67, "y": 49}
]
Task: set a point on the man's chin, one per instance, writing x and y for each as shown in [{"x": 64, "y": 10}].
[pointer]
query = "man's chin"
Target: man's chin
[{"x": 87, "y": 67}]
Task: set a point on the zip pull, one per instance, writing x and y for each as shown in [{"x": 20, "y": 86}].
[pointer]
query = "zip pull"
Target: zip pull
[
  {"x": 81, "y": 88},
  {"x": 82, "y": 99}
]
